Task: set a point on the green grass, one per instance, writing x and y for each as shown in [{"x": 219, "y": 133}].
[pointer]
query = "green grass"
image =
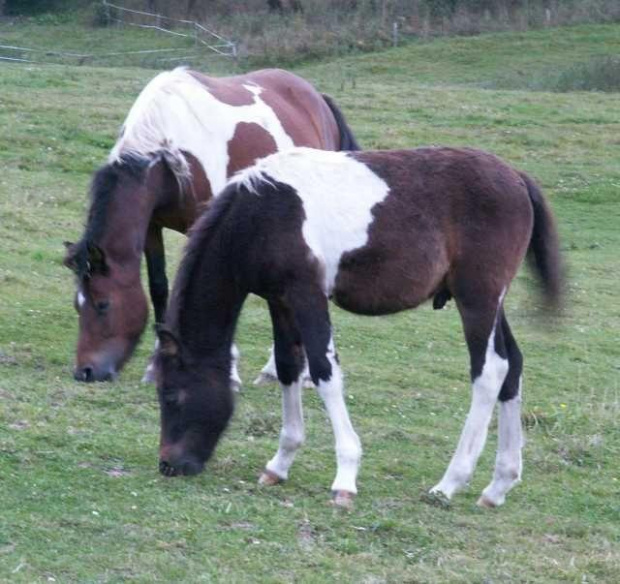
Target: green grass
[{"x": 81, "y": 497}]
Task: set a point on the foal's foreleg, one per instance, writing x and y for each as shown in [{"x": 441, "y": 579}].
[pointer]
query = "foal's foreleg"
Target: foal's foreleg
[
  {"x": 508, "y": 463},
  {"x": 313, "y": 318},
  {"x": 289, "y": 362},
  {"x": 268, "y": 373},
  {"x": 489, "y": 367}
]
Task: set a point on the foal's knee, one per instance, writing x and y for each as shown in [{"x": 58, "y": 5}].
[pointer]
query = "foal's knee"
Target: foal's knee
[{"x": 321, "y": 369}]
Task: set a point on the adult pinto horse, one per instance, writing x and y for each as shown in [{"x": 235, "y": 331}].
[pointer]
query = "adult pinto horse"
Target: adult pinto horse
[
  {"x": 377, "y": 232},
  {"x": 184, "y": 136}
]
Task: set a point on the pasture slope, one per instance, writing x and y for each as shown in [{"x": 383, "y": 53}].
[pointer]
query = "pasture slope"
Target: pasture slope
[{"x": 80, "y": 497}]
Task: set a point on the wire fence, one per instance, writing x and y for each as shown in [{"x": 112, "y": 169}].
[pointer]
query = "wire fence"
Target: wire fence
[{"x": 195, "y": 42}]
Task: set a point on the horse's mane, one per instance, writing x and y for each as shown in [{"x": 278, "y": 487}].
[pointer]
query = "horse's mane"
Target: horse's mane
[
  {"x": 146, "y": 131},
  {"x": 102, "y": 187}
]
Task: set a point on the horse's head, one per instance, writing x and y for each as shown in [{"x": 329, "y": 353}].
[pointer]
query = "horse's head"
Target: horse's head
[
  {"x": 195, "y": 405},
  {"x": 112, "y": 310}
]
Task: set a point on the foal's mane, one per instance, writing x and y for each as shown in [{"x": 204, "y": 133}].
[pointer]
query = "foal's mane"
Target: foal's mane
[{"x": 208, "y": 225}]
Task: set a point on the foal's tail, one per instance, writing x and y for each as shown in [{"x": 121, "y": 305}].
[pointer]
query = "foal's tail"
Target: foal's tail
[
  {"x": 347, "y": 139},
  {"x": 544, "y": 251}
]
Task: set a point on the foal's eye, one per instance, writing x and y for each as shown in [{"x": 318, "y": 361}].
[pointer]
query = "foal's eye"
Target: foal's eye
[
  {"x": 170, "y": 398},
  {"x": 102, "y": 307}
]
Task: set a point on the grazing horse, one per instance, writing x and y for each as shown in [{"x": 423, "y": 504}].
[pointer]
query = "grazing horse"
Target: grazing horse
[
  {"x": 183, "y": 137},
  {"x": 377, "y": 232}
]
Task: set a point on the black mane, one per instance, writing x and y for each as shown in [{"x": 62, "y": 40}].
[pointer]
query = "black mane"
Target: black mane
[
  {"x": 201, "y": 232},
  {"x": 102, "y": 189}
]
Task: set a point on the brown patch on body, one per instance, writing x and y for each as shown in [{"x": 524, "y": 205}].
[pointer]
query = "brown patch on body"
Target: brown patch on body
[
  {"x": 302, "y": 111},
  {"x": 249, "y": 143},
  {"x": 228, "y": 90},
  {"x": 427, "y": 235}
]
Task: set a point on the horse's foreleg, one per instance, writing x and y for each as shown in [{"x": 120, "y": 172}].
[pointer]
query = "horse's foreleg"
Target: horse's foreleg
[
  {"x": 508, "y": 463},
  {"x": 158, "y": 282},
  {"x": 489, "y": 367},
  {"x": 289, "y": 363}
]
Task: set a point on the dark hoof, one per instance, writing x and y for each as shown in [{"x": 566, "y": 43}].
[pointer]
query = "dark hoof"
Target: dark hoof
[{"x": 167, "y": 469}]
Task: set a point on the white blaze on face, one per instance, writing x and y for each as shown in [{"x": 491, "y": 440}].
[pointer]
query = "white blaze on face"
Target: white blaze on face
[
  {"x": 338, "y": 195},
  {"x": 176, "y": 111},
  {"x": 81, "y": 299}
]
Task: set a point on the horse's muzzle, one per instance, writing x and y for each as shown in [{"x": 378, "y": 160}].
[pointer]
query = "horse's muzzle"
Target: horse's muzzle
[{"x": 89, "y": 374}]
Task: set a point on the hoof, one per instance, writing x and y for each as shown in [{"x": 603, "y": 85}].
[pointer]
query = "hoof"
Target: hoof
[
  {"x": 269, "y": 478},
  {"x": 235, "y": 385},
  {"x": 436, "y": 498},
  {"x": 265, "y": 379},
  {"x": 486, "y": 503},
  {"x": 343, "y": 500}
]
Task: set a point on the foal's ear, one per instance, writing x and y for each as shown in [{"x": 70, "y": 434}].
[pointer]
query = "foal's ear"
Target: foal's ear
[
  {"x": 168, "y": 344},
  {"x": 96, "y": 259}
]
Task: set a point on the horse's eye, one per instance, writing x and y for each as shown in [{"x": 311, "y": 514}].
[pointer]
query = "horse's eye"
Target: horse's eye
[{"x": 102, "y": 307}]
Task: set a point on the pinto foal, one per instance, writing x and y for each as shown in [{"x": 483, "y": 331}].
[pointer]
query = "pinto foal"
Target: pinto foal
[{"x": 376, "y": 232}]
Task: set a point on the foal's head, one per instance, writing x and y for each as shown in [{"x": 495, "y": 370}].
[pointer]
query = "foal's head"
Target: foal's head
[{"x": 196, "y": 404}]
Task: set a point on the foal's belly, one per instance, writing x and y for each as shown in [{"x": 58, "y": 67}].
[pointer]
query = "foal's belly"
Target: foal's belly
[{"x": 385, "y": 287}]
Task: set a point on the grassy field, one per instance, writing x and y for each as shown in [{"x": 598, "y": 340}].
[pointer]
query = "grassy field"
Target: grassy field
[{"x": 80, "y": 496}]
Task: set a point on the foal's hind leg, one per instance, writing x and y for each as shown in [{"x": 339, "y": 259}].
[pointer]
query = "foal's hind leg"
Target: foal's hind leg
[
  {"x": 508, "y": 463},
  {"x": 489, "y": 366},
  {"x": 289, "y": 362}
]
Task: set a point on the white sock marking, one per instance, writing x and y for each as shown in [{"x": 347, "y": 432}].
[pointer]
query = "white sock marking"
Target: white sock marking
[
  {"x": 292, "y": 434},
  {"x": 485, "y": 389},
  {"x": 508, "y": 463},
  {"x": 348, "y": 446}
]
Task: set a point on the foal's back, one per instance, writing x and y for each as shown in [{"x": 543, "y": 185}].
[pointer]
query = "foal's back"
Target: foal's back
[{"x": 389, "y": 229}]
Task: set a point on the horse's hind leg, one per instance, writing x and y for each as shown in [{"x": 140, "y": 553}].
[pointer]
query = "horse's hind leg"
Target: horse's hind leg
[
  {"x": 289, "y": 363},
  {"x": 489, "y": 366},
  {"x": 508, "y": 463}
]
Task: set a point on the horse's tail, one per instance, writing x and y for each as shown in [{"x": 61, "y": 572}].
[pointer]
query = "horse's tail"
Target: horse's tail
[
  {"x": 347, "y": 139},
  {"x": 544, "y": 250}
]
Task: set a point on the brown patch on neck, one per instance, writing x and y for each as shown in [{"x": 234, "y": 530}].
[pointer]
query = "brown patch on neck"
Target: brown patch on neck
[{"x": 249, "y": 143}]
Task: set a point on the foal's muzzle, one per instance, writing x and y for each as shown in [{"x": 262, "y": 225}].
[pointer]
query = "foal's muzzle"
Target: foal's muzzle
[{"x": 184, "y": 467}]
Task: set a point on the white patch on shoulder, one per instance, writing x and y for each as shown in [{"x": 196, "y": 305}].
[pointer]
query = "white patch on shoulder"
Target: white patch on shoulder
[
  {"x": 81, "y": 299},
  {"x": 175, "y": 112},
  {"x": 338, "y": 194}
]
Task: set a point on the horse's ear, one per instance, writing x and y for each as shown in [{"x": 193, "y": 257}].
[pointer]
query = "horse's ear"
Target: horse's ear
[
  {"x": 169, "y": 346},
  {"x": 96, "y": 260},
  {"x": 69, "y": 260}
]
